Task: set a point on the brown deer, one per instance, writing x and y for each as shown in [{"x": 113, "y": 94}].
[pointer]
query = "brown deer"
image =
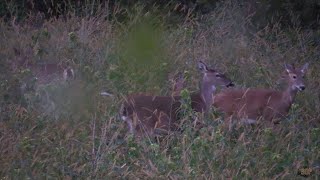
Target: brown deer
[
  {"x": 249, "y": 105},
  {"x": 44, "y": 72},
  {"x": 146, "y": 113}
]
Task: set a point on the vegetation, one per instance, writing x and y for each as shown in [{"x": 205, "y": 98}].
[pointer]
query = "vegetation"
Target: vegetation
[{"x": 68, "y": 130}]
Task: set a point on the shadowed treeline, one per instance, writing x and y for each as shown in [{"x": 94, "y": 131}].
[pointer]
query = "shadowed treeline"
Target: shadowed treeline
[{"x": 306, "y": 12}]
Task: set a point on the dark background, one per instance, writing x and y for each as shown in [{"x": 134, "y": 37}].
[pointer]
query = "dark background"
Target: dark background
[{"x": 306, "y": 13}]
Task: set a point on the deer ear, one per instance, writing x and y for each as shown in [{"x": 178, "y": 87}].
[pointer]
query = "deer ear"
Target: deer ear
[
  {"x": 288, "y": 68},
  {"x": 304, "y": 68},
  {"x": 202, "y": 66}
]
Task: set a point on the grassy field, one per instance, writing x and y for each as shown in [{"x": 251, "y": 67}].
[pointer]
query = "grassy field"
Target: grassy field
[{"x": 67, "y": 130}]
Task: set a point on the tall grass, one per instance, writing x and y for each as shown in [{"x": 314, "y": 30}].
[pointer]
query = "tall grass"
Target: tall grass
[{"x": 67, "y": 130}]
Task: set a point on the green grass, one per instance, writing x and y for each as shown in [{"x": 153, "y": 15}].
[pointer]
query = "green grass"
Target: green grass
[{"x": 67, "y": 130}]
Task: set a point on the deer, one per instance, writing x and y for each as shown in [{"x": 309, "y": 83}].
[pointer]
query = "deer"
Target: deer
[
  {"x": 253, "y": 104},
  {"x": 39, "y": 74},
  {"x": 44, "y": 73},
  {"x": 145, "y": 114}
]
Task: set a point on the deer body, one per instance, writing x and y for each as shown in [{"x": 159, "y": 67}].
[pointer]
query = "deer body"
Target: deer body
[
  {"x": 148, "y": 108},
  {"x": 45, "y": 72},
  {"x": 249, "y": 105},
  {"x": 145, "y": 113}
]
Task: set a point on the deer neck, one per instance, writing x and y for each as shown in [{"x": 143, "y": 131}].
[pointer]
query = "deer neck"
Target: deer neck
[
  {"x": 289, "y": 95},
  {"x": 206, "y": 92}
]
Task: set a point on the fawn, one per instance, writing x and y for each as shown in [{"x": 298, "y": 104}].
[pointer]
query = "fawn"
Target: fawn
[
  {"x": 248, "y": 105},
  {"x": 146, "y": 113}
]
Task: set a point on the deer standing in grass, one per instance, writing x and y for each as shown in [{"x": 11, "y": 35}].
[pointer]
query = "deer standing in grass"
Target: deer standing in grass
[
  {"x": 146, "y": 113},
  {"x": 248, "y": 105}
]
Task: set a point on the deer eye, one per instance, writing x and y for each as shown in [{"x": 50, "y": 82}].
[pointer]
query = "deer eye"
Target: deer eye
[
  {"x": 218, "y": 75},
  {"x": 294, "y": 77}
]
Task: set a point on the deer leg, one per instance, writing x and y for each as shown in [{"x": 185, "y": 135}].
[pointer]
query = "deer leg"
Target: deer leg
[
  {"x": 268, "y": 117},
  {"x": 145, "y": 125},
  {"x": 133, "y": 123},
  {"x": 228, "y": 122},
  {"x": 163, "y": 124},
  {"x": 130, "y": 121},
  {"x": 130, "y": 126}
]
